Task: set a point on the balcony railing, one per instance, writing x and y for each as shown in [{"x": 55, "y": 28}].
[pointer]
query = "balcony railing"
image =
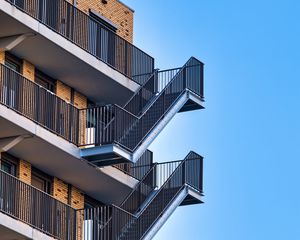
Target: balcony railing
[
  {"x": 38, "y": 104},
  {"x": 89, "y": 34},
  {"x": 36, "y": 208},
  {"x": 129, "y": 221},
  {"x": 127, "y": 126},
  {"x": 139, "y": 169},
  {"x": 133, "y": 218}
]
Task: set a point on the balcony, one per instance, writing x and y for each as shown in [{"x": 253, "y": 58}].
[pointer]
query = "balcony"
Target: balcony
[
  {"x": 80, "y": 51},
  {"x": 110, "y": 134},
  {"x": 145, "y": 209}
]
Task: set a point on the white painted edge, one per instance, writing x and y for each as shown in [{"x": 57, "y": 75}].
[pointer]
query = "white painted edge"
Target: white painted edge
[
  {"x": 161, "y": 221},
  {"x": 22, "y": 228},
  {"x": 187, "y": 190},
  {"x": 34, "y": 129},
  {"x": 67, "y": 45}
]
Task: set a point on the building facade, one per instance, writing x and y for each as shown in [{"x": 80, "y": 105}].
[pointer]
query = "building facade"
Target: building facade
[{"x": 79, "y": 106}]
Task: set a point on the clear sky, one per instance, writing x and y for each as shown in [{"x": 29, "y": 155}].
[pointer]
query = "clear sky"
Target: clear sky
[{"x": 249, "y": 132}]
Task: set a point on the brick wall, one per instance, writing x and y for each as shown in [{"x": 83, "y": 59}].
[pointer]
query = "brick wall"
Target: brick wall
[
  {"x": 77, "y": 202},
  {"x": 77, "y": 198},
  {"x": 63, "y": 91},
  {"x": 28, "y": 70},
  {"x": 60, "y": 190},
  {"x": 2, "y": 57},
  {"x": 25, "y": 171},
  {"x": 115, "y": 11},
  {"x": 24, "y": 174},
  {"x": 80, "y": 101}
]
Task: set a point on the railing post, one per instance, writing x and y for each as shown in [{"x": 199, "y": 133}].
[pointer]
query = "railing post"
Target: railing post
[
  {"x": 202, "y": 80},
  {"x": 37, "y": 100},
  {"x": 75, "y": 226},
  {"x": 184, "y": 77},
  {"x": 155, "y": 87},
  {"x": 126, "y": 59},
  {"x": 183, "y": 172},
  {"x": 201, "y": 175},
  {"x": 68, "y": 224}
]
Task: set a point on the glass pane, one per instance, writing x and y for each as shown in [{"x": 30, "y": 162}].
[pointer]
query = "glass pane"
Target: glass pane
[
  {"x": 38, "y": 183},
  {"x": 8, "y": 168},
  {"x": 12, "y": 65}
]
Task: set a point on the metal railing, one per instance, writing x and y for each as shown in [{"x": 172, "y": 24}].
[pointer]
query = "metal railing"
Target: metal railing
[
  {"x": 177, "y": 175},
  {"x": 89, "y": 34},
  {"x": 36, "y": 208},
  {"x": 133, "y": 218},
  {"x": 126, "y": 128},
  {"x": 143, "y": 95},
  {"x": 39, "y": 105},
  {"x": 139, "y": 169},
  {"x": 129, "y": 221},
  {"x": 107, "y": 124}
]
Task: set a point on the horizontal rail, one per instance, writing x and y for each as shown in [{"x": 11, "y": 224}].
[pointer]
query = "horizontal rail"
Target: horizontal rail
[
  {"x": 90, "y": 35},
  {"x": 129, "y": 221},
  {"x": 127, "y": 127},
  {"x": 39, "y": 105},
  {"x": 133, "y": 218},
  {"x": 139, "y": 169}
]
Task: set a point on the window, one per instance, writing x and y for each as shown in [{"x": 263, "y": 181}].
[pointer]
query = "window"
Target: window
[
  {"x": 9, "y": 164},
  {"x": 103, "y": 21},
  {"x": 41, "y": 180},
  {"x": 13, "y": 62},
  {"x": 44, "y": 80},
  {"x": 101, "y": 40}
]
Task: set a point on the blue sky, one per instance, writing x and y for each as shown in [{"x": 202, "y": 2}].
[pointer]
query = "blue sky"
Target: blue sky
[{"x": 249, "y": 132}]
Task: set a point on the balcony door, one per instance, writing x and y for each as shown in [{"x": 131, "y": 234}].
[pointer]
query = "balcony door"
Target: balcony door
[
  {"x": 42, "y": 208},
  {"x": 9, "y": 164},
  {"x": 48, "y": 12},
  {"x": 11, "y": 81},
  {"x": 102, "y": 38},
  {"x": 8, "y": 185}
]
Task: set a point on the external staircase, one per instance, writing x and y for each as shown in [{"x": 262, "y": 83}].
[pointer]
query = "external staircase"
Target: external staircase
[
  {"x": 144, "y": 211},
  {"x": 131, "y": 129}
]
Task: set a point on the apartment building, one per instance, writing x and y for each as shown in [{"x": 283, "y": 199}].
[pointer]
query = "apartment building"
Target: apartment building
[{"x": 79, "y": 107}]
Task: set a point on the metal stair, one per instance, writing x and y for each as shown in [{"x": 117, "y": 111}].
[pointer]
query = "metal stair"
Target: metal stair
[
  {"x": 134, "y": 126},
  {"x": 165, "y": 187}
]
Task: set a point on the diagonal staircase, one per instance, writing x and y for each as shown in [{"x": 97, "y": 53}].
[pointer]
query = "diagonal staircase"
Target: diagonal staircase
[
  {"x": 133, "y": 127},
  {"x": 165, "y": 187}
]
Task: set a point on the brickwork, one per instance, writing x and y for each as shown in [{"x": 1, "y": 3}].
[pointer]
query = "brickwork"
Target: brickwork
[
  {"x": 80, "y": 101},
  {"x": 77, "y": 198},
  {"x": 63, "y": 91},
  {"x": 28, "y": 70},
  {"x": 25, "y": 171},
  {"x": 2, "y": 57},
  {"x": 24, "y": 174},
  {"x": 77, "y": 202},
  {"x": 60, "y": 190},
  {"x": 115, "y": 11}
]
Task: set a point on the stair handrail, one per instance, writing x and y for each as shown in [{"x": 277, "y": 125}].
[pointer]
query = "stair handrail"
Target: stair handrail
[
  {"x": 129, "y": 100},
  {"x": 168, "y": 179},
  {"x": 184, "y": 182},
  {"x": 138, "y": 185},
  {"x": 137, "y": 118},
  {"x": 141, "y": 87}
]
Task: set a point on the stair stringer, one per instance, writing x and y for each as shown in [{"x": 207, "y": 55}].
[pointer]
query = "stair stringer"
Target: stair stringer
[
  {"x": 187, "y": 190},
  {"x": 121, "y": 152},
  {"x": 154, "y": 132}
]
